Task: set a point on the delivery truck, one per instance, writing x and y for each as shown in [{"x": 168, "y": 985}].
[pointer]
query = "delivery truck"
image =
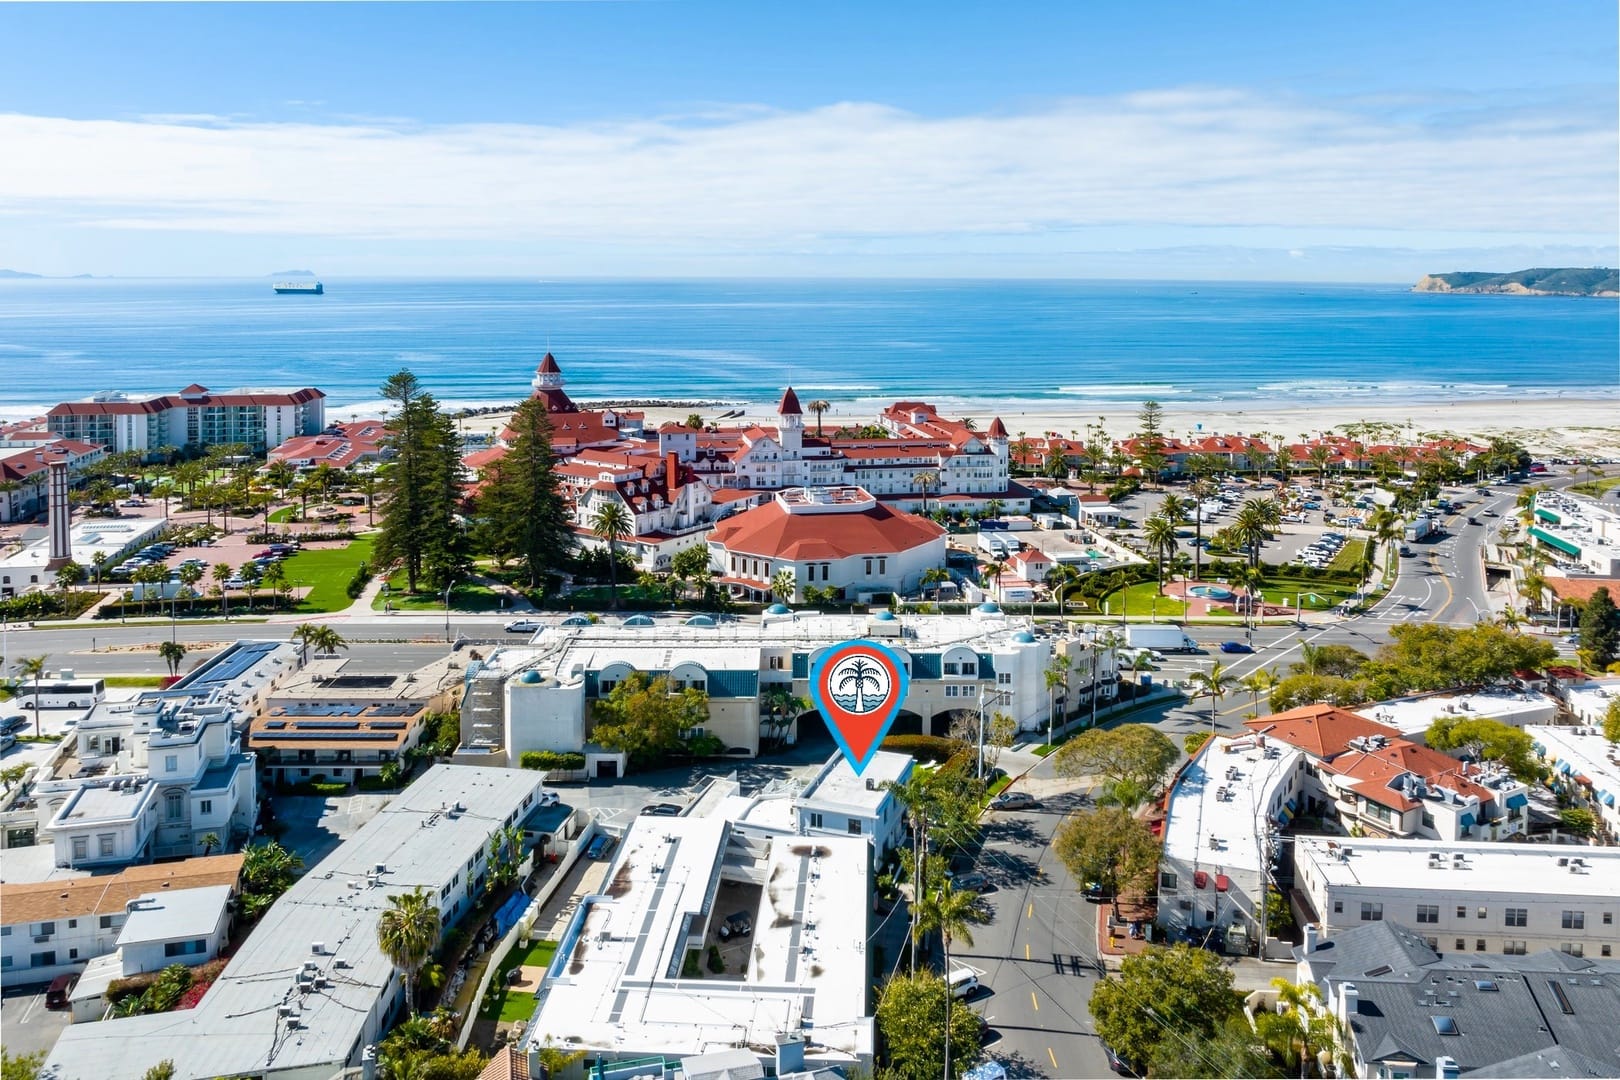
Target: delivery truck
[
  {"x": 1165, "y": 639},
  {"x": 1419, "y": 528}
]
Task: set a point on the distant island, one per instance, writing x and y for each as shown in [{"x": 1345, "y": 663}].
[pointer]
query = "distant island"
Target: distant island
[
  {"x": 1565, "y": 281},
  {"x": 18, "y": 274}
]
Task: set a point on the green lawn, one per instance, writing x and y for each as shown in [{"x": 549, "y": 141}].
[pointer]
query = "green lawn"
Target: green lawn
[
  {"x": 327, "y": 571},
  {"x": 1350, "y": 556},
  {"x": 1139, "y": 600},
  {"x": 627, "y": 591},
  {"x": 466, "y": 596},
  {"x": 134, "y": 681},
  {"x": 1314, "y": 595},
  {"x": 1596, "y": 488},
  {"x": 504, "y": 1003},
  {"x": 282, "y": 516}
]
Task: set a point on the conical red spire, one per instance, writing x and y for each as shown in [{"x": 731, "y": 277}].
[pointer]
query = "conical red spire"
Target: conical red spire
[
  {"x": 790, "y": 404},
  {"x": 998, "y": 430}
]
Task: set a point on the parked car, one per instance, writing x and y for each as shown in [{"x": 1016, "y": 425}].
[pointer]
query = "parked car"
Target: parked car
[
  {"x": 1236, "y": 647},
  {"x": 522, "y": 626},
  {"x": 598, "y": 847},
  {"x": 7, "y": 742},
  {"x": 662, "y": 809},
  {"x": 972, "y": 881},
  {"x": 13, "y": 724},
  {"x": 548, "y": 798},
  {"x": 1012, "y": 800},
  {"x": 56, "y": 996},
  {"x": 235, "y": 581},
  {"x": 737, "y": 924}
]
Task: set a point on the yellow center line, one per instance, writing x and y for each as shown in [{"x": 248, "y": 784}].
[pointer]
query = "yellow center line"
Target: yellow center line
[
  {"x": 1052, "y": 1056},
  {"x": 1026, "y": 952},
  {"x": 1035, "y": 1000},
  {"x": 1031, "y": 913}
]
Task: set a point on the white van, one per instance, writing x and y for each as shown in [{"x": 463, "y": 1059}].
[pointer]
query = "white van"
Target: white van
[{"x": 963, "y": 982}]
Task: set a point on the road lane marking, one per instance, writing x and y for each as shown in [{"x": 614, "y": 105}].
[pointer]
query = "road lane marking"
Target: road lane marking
[
  {"x": 1026, "y": 952},
  {"x": 1035, "y": 1000},
  {"x": 1030, "y": 914},
  {"x": 1052, "y": 1056}
]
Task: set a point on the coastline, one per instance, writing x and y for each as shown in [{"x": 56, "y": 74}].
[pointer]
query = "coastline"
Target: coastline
[{"x": 1548, "y": 426}]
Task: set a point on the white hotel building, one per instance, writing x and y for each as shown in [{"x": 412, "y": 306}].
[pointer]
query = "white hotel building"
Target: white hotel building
[
  {"x": 196, "y": 417},
  {"x": 1467, "y": 897}
]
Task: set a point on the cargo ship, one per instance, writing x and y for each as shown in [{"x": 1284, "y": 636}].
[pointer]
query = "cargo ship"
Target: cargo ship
[{"x": 312, "y": 287}]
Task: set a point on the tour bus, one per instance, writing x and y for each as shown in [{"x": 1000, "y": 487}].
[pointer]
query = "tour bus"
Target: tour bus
[{"x": 65, "y": 693}]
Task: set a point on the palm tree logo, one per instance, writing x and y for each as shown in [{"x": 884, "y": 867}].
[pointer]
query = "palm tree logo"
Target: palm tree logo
[{"x": 868, "y": 681}]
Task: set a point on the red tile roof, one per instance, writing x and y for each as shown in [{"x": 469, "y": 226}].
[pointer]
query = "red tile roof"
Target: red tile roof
[
  {"x": 548, "y": 365},
  {"x": 1579, "y": 590},
  {"x": 790, "y": 404},
  {"x": 1323, "y": 731},
  {"x": 770, "y": 531},
  {"x": 1376, "y": 768}
]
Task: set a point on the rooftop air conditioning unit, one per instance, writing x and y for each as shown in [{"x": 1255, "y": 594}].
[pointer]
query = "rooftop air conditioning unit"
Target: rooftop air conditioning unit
[{"x": 284, "y": 1010}]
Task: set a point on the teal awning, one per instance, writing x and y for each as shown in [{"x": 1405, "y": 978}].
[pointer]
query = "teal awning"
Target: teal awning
[
  {"x": 1548, "y": 515},
  {"x": 1548, "y": 538},
  {"x": 1517, "y": 799}
]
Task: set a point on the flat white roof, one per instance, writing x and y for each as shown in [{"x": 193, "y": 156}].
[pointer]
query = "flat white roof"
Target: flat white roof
[
  {"x": 170, "y": 916},
  {"x": 1206, "y": 801},
  {"x": 837, "y": 786},
  {"x": 1592, "y": 698},
  {"x": 981, "y": 630},
  {"x": 1586, "y": 755},
  {"x": 235, "y": 1029},
  {"x": 1521, "y": 869},
  {"x": 108, "y": 536},
  {"x": 1413, "y": 715},
  {"x": 615, "y": 984}
]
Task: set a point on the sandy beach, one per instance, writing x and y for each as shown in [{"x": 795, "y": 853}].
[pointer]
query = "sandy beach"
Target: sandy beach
[{"x": 1549, "y": 427}]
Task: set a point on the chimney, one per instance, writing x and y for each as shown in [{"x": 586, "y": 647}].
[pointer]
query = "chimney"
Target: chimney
[
  {"x": 672, "y": 475},
  {"x": 1445, "y": 1068},
  {"x": 789, "y": 1052},
  {"x": 60, "y": 514},
  {"x": 1349, "y": 1003},
  {"x": 1313, "y": 935}
]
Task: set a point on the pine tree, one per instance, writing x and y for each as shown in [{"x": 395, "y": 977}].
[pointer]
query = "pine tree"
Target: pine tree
[
  {"x": 420, "y": 529},
  {"x": 522, "y": 511},
  {"x": 1600, "y": 628}
]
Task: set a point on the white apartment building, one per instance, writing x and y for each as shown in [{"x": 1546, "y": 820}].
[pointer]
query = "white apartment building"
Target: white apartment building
[
  {"x": 1467, "y": 897},
  {"x": 538, "y": 696},
  {"x": 62, "y": 925},
  {"x": 1411, "y": 716},
  {"x": 837, "y": 802},
  {"x": 1586, "y": 768},
  {"x": 157, "y": 776},
  {"x": 800, "y": 988},
  {"x": 309, "y": 989},
  {"x": 1220, "y": 809}
]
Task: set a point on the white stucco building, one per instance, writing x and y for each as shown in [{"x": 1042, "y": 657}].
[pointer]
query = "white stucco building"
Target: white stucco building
[
  {"x": 837, "y": 802},
  {"x": 195, "y": 417},
  {"x": 1467, "y": 897}
]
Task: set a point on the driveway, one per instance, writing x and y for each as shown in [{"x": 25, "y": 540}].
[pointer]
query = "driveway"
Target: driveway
[{"x": 315, "y": 825}]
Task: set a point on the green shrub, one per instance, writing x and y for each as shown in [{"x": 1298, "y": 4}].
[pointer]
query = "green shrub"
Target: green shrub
[
  {"x": 333, "y": 788},
  {"x": 927, "y": 748},
  {"x": 689, "y": 966},
  {"x": 716, "y": 963},
  {"x": 551, "y": 761}
]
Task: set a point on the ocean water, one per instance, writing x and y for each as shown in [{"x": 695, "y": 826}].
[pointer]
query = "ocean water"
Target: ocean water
[{"x": 1109, "y": 343}]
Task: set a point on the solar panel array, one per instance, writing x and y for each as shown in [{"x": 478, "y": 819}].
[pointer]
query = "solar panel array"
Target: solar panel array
[{"x": 370, "y": 736}]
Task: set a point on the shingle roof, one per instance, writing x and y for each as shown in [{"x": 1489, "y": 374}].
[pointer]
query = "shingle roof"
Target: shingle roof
[
  {"x": 107, "y": 894},
  {"x": 770, "y": 531}
]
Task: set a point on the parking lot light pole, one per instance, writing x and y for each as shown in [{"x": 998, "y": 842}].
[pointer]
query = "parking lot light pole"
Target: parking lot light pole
[{"x": 448, "y": 586}]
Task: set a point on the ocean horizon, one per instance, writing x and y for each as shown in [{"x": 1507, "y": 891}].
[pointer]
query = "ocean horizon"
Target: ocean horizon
[{"x": 474, "y": 343}]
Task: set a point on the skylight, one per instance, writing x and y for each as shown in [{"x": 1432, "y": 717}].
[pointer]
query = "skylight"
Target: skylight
[
  {"x": 1445, "y": 1025},
  {"x": 1488, "y": 985}
]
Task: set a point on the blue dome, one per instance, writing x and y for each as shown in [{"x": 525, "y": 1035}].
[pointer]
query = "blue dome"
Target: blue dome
[
  {"x": 530, "y": 676},
  {"x": 778, "y": 609},
  {"x": 989, "y": 608},
  {"x": 638, "y": 620},
  {"x": 884, "y": 616},
  {"x": 700, "y": 620},
  {"x": 1024, "y": 637}
]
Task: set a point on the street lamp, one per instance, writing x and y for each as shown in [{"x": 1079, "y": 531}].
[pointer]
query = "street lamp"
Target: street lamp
[{"x": 451, "y": 584}]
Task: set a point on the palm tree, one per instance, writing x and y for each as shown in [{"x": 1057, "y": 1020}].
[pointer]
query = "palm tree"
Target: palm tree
[
  {"x": 1056, "y": 676},
  {"x": 304, "y": 634},
  {"x": 1202, "y": 488},
  {"x": 327, "y": 640},
  {"x": 1319, "y": 455},
  {"x": 818, "y": 407},
  {"x": 33, "y": 667},
  {"x": 1215, "y": 683},
  {"x": 190, "y": 574},
  {"x": 68, "y": 575},
  {"x": 210, "y": 841},
  {"x": 1310, "y": 659},
  {"x": 1159, "y": 532},
  {"x": 925, "y": 480},
  {"x": 221, "y": 574},
  {"x": 1258, "y": 682},
  {"x": 1057, "y": 580},
  {"x": 935, "y": 576},
  {"x": 612, "y": 523},
  {"x": 951, "y": 912},
  {"x": 171, "y": 653},
  {"x": 407, "y": 932},
  {"x": 98, "y": 564},
  {"x": 1250, "y": 529},
  {"x": 1173, "y": 507},
  {"x": 783, "y": 585}
]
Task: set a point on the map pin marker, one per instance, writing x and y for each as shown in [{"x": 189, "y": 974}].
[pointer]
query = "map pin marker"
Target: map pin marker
[{"x": 858, "y": 686}]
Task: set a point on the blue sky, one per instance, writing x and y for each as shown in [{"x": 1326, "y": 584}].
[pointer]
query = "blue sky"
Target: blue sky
[{"x": 1312, "y": 141}]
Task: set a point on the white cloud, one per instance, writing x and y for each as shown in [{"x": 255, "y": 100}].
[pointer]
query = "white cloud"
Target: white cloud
[{"x": 847, "y": 173}]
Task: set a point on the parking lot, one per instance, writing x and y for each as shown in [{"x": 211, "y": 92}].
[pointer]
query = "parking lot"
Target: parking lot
[{"x": 28, "y": 1026}]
